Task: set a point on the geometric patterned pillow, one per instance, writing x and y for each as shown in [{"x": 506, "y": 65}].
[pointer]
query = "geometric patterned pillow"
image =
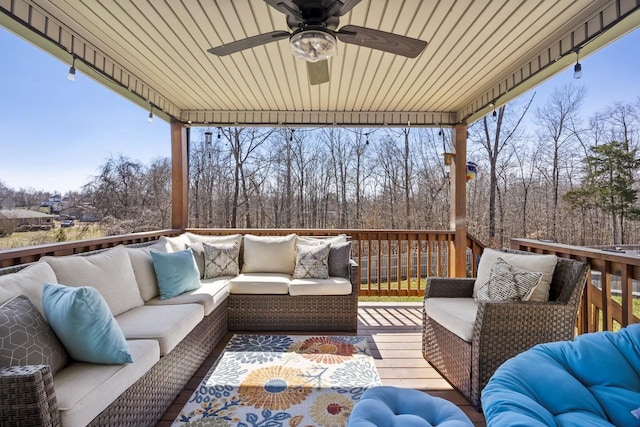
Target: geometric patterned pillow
[
  {"x": 221, "y": 259},
  {"x": 508, "y": 283},
  {"x": 26, "y": 338},
  {"x": 312, "y": 262}
]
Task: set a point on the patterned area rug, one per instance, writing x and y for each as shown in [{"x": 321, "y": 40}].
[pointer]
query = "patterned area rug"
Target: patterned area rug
[{"x": 283, "y": 380}]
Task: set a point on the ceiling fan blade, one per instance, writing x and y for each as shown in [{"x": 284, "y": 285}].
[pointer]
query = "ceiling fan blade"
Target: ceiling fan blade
[
  {"x": 381, "y": 40},
  {"x": 249, "y": 42},
  {"x": 318, "y": 72},
  {"x": 287, "y": 7}
]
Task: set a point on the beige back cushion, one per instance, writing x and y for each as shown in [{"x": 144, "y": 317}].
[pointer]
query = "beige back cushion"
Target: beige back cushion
[
  {"x": 110, "y": 272},
  {"x": 143, "y": 269},
  {"x": 174, "y": 244},
  {"x": 29, "y": 282},
  {"x": 269, "y": 254},
  {"x": 536, "y": 263},
  {"x": 231, "y": 238},
  {"x": 315, "y": 241}
]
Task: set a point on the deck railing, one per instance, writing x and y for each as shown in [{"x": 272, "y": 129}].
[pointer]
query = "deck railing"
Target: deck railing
[
  {"x": 608, "y": 300},
  {"x": 397, "y": 263},
  {"x": 17, "y": 256},
  {"x": 392, "y": 262}
]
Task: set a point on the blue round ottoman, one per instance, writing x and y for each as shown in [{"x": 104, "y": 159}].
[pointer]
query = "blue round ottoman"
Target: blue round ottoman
[{"x": 400, "y": 407}]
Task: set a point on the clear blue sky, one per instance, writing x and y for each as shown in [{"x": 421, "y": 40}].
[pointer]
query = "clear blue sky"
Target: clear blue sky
[{"x": 55, "y": 134}]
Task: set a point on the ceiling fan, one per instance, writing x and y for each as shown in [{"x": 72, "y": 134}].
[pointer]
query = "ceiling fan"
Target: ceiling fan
[{"x": 313, "y": 25}]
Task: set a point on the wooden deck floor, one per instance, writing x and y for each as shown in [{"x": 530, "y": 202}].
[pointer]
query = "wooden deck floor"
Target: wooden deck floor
[{"x": 393, "y": 331}]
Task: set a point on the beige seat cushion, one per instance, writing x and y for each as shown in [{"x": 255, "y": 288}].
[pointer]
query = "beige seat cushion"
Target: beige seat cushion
[
  {"x": 110, "y": 272},
  {"x": 260, "y": 283},
  {"x": 83, "y": 390},
  {"x": 535, "y": 263},
  {"x": 268, "y": 254},
  {"x": 458, "y": 315},
  {"x": 330, "y": 286},
  {"x": 210, "y": 295},
  {"x": 29, "y": 282},
  {"x": 168, "y": 324}
]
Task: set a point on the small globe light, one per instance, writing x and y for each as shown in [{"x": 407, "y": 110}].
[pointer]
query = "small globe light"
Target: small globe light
[{"x": 577, "y": 71}]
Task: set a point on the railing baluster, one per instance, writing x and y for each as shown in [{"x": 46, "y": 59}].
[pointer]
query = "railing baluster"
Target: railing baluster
[
  {"x": 419, "y": 261},
  {"x": 379, "y": 263},
  {"x": 369, "y": 262},
  {"x": 409, "y": 289},
  {"x": 429, "y": 257},
  {"x": 388, "y": 262},
  {"x": 627, "y": 295},
  {"x": 439, "y": 256},
  {"x": 607, "y": 323},
  {"x": 360, "y": 265}
]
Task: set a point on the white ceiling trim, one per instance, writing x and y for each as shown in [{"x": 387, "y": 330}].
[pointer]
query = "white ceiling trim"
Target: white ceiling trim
[{"x": 319, "y": 118}]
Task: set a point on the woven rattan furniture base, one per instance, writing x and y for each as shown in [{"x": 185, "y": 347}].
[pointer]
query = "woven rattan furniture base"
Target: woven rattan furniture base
[
  {"x": 259, "y": 312},
  {"x": 144, "y": 403},
  {"x": 27, "y": 397},
  {"x": 293, "y": 313},
  {"x": 502, "y": 329}
]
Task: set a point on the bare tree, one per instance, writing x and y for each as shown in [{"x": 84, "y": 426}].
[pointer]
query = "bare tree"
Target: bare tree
[
  {"x": 526, "y": 156},
  {"x": 493, "y": 134},
  {"x": 245, "y": 144},
  {"x": 554, "y": 131},
  {"x": 340, "y": 153}
]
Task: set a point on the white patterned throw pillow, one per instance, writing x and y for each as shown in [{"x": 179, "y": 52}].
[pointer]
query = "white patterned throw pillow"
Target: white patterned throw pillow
[
  {"x": 508, "y": 283},
  {"x": 221, "y": 259},
  {"x": 312, "y": 262},
  {"x": 542, "y": 263}
]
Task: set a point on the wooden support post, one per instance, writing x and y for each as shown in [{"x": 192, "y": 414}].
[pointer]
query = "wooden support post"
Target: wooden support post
[
  {"x": 458, "y": 203},
  {"x": 179, "y": 176}
]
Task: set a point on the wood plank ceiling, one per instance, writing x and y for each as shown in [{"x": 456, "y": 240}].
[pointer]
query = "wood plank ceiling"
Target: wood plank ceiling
[{"x": 479, "y": 53}]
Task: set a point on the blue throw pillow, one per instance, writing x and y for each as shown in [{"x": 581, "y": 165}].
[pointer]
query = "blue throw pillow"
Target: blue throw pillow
[
  {"x": 177, "y": 272},
  {"x": 84, "y": 324}
]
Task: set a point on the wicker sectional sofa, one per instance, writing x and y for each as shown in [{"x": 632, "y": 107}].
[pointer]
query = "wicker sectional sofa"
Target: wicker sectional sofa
[{"x": 167, "y": 338}]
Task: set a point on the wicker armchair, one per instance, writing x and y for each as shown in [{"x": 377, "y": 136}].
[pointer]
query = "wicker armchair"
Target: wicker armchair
[{"x": 502, "y": 329}]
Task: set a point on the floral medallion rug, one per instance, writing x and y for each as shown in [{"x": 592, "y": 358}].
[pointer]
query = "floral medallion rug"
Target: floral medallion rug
[{"x": 283, "y": 380}]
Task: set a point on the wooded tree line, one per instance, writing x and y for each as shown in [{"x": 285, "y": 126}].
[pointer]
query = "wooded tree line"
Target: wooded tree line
[{"x": 547, "y": 172}]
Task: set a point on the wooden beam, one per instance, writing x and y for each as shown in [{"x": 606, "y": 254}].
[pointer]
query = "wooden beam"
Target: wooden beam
[
  {"x": 179, "y": 176},
  {"x": 458, "y": 203}
]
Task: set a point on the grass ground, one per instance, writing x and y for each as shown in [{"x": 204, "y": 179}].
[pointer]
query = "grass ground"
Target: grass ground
[{"x": 29, "y": 238}]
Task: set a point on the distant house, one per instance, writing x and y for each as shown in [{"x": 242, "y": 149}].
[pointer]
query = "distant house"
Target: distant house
[
  {"x": 24, "y": 217},
  {"x": 55, "y": 204}
]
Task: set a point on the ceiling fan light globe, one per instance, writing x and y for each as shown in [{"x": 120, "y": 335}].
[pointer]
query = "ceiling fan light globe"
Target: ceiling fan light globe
[{"x": 313, "y": 45}]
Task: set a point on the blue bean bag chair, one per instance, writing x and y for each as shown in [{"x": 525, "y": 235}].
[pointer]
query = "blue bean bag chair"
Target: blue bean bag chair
[{"x": 593, "y": 380}]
